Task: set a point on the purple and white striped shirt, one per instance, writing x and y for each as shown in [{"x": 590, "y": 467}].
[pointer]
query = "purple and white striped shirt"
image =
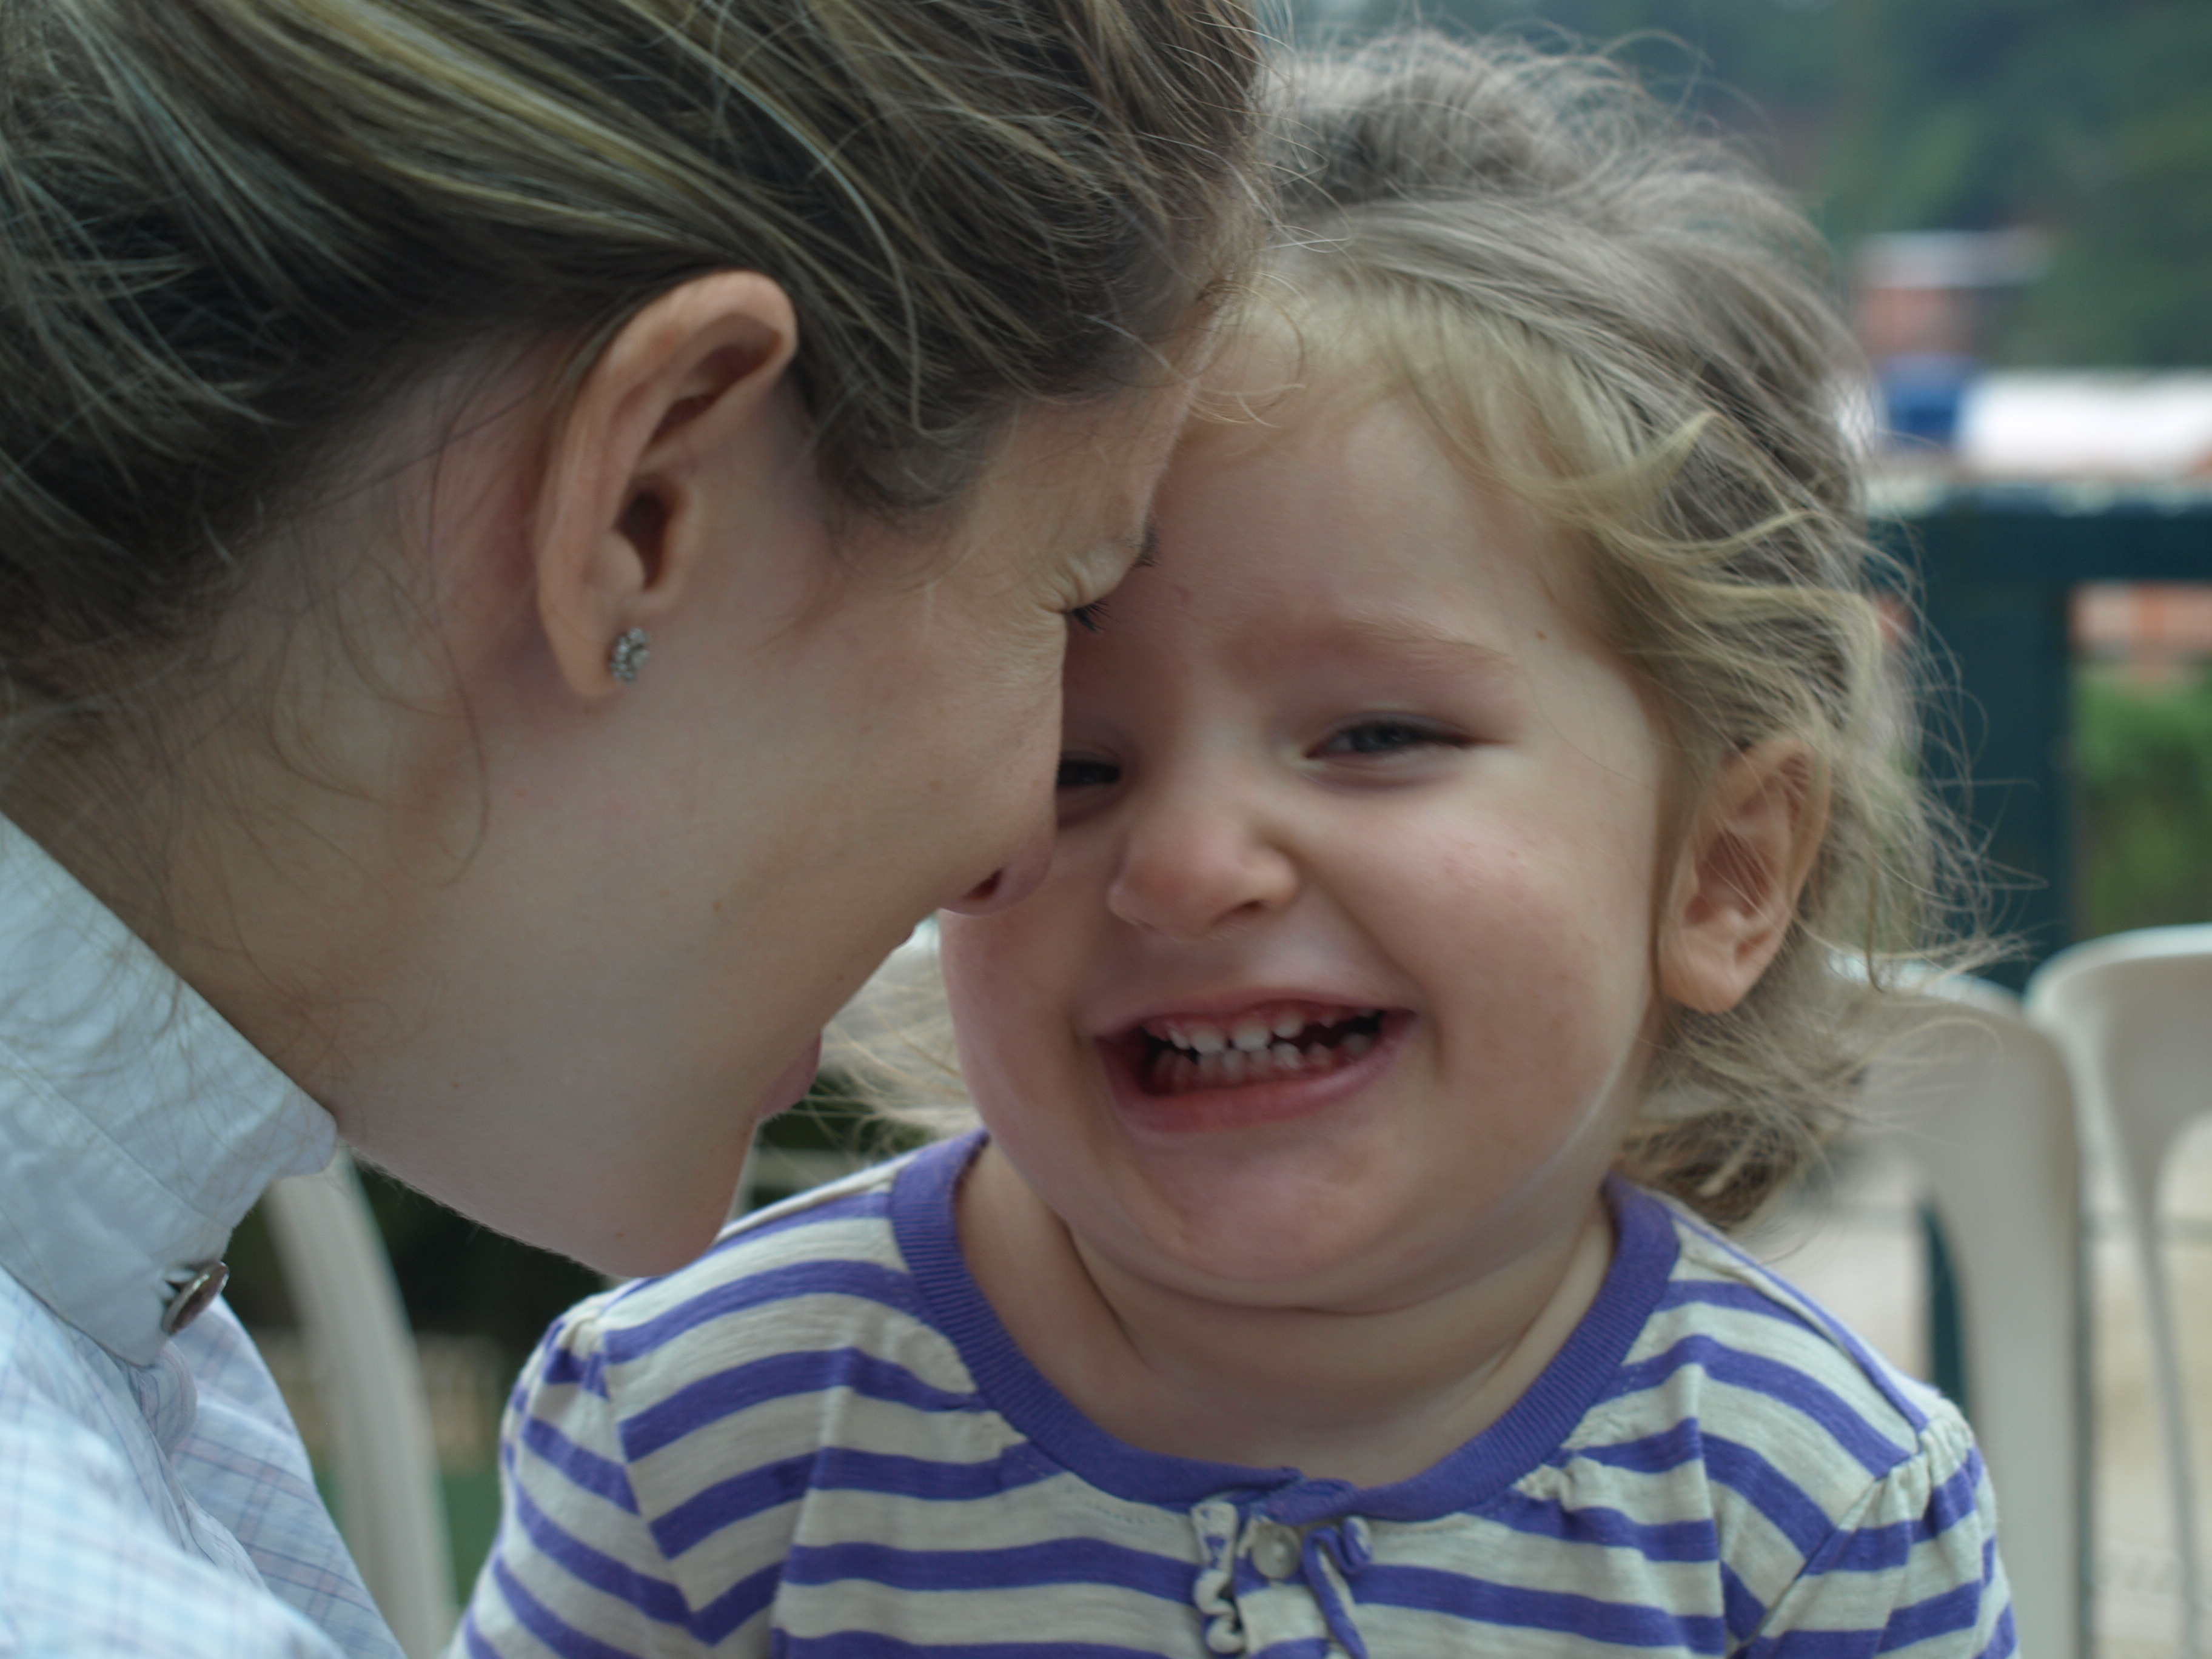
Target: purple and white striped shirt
[{"x": 818, "y": 1440}]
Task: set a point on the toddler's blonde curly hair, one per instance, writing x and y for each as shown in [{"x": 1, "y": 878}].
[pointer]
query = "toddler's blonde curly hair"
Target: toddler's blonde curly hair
[
  {"x": 1622, "y": 322},
  {"x": 1619, "y": 320}
]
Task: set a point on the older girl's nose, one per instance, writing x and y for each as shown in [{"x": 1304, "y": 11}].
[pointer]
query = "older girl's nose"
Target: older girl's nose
[
  {"x": 1014, "y": 880},
  {"x": 1196, "y": 861}
]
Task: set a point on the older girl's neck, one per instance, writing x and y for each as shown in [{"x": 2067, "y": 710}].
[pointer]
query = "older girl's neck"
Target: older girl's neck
[
  {"x": 274, "y": 894},
  {"x": 1369, "y": 1396}
]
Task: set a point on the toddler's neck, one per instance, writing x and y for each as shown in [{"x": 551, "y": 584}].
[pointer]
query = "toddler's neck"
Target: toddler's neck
[{"x": 1369, "y": 1397}]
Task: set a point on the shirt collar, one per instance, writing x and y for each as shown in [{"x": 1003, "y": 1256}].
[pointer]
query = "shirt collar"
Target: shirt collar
[{"x": 137, "y": 1126}]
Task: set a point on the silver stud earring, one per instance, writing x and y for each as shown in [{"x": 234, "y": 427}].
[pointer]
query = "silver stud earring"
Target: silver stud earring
[{"x": 630, "y": 654}]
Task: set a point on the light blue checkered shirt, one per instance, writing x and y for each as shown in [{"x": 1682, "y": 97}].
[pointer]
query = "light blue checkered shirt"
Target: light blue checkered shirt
[{"x": 155, "y": 1497}]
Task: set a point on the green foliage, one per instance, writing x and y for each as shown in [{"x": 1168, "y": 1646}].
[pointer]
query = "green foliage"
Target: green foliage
[
  {"x": 2089, "y": 119},
  {"x": 2143, "y": 764},
  {"x": 2129, "y": 281}
]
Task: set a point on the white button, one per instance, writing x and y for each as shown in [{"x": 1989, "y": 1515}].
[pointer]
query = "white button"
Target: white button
[{"x": 1274, "y": 1549}]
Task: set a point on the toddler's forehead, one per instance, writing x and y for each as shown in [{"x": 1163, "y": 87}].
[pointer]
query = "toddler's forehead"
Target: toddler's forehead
[{"x": 1355, "y": 476}]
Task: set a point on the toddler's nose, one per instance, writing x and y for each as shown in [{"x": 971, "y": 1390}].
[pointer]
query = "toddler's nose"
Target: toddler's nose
[{"x": 1192, "y": 867}]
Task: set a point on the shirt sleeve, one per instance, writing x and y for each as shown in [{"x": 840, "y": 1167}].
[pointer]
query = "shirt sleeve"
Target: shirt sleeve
[
  {"x": 574, "y": 1570},
  {"x": 1912, "y": 1570},
  {"x": 85, "y": 1571}
]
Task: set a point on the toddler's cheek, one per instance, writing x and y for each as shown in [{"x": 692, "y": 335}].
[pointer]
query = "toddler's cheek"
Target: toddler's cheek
[
  {"x": 975, "y": 953},
  {"x": 1028, "y": 954},
  {"x": 991, "y": 989}
]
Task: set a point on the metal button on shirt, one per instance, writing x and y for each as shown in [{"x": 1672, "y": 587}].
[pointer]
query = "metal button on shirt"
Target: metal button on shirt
[
  {"x": 1274, "y": 1549},
  {"x": 194, "y": 1296}
]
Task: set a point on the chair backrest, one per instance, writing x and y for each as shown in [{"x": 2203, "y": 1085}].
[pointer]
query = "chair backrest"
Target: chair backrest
[
  {"x": 2132, "y": 1012},
  {"x": 391, "y": 1506},
  {"x": 1978, "y": 1099}
]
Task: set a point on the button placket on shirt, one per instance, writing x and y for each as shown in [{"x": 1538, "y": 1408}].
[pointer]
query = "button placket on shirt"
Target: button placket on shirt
[
  {"x": 166, "y": 1396},
  {"x": 1274, "y": 1549},
  {"x": 1250, "y": 1610}
]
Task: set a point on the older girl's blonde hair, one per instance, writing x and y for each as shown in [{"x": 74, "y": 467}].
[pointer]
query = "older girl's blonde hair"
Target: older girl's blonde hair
[{"x": 1620, "y": 321}]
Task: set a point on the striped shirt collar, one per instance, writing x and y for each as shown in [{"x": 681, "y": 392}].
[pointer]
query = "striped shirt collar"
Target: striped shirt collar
[
  {"x": 137, "y": 1126},
  {"x": 925, "y": 1222}
]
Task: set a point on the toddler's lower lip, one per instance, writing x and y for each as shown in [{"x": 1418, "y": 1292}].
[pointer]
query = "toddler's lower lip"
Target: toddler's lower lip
[{"x": 1159, "y": 1088}]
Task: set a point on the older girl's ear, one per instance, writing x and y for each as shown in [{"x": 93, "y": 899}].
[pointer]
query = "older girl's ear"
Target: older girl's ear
[
  {"x": 671, "y": 421},
  {"x": 1735, "y": 883}
]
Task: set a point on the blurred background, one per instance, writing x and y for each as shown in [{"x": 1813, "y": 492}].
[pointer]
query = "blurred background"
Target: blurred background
[{"x": 2019, "y": 197}]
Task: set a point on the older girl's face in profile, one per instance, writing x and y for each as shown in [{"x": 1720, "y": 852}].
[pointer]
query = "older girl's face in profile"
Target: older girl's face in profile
[{"x": 808, "y": 765}]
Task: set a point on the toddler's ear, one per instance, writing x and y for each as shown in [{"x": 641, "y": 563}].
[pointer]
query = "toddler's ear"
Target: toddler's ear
[{"x": 1735, "y": 883}]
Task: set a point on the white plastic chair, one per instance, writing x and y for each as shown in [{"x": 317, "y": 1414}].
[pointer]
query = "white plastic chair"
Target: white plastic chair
[
  {"x": 1978, "y": 1100},
  {"x": 2132, "y": 1013},
  {"x": 391, "y": 1507}
]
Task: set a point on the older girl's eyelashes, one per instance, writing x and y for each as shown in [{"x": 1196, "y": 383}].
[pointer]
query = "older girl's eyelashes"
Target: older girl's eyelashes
[
  {"x": 1090, "y": 617},
  {"x": 1383, "y": 735}
]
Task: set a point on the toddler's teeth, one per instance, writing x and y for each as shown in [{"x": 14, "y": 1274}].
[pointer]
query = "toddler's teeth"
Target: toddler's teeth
[{"x": 1199, "y": 1054}]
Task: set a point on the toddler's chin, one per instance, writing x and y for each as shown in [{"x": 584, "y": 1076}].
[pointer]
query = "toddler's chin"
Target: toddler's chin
[{"x": 1259, "y": 1239}]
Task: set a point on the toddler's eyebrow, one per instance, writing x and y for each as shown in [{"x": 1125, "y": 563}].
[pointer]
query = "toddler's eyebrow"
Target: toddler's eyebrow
[{"x": 1395, "y": 639}]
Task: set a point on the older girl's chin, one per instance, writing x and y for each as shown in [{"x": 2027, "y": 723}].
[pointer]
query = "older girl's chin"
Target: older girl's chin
[{"x": 790, "y": 1088}]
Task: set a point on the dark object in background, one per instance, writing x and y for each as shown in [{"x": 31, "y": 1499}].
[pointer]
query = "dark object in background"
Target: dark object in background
[
  {"x": 460, "y": 1277},
  {"x": 454, "y": 1276}
]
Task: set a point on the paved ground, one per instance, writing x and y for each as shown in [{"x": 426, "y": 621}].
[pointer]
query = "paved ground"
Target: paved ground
[{"x": 1865, "y": 1260}]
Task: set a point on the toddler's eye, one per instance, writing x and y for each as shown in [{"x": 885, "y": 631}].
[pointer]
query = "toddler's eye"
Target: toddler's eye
[
  {"x": 1089, "y": 617},
  {"x": 1077, "y": 772},
  {"x": 1388, "y": 736}
]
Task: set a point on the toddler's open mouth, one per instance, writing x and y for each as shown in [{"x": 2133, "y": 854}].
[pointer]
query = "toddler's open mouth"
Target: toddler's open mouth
[{"x": 1276, "y": 1043}]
